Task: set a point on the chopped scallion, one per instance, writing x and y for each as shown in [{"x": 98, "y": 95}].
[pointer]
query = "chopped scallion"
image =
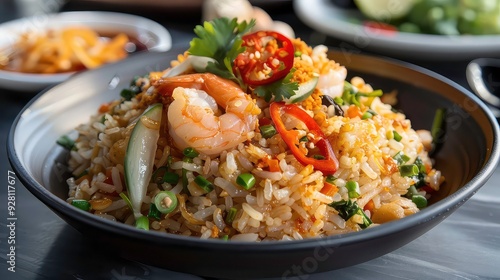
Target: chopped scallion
[
  {"x": 231, "y": 214},
  {"x": 297, "y": 53},
  {"x": 330, "y": 179},
  {"x": 190, "y": 152},
  {"x": 401, "y": 158},
  {"x": 165, "y": 201},
  {"x": 438, "y": 129},
  {"x": 126, "y": 199},
  {"x": 203, "y": 183},
  {"x": 397, "y": 136},
  {"x": 304, "y": 139},
  {"x": 409, "y": 170},
  {"x": 352, "y": 189},
  {"x": 142, "y": 223},
  {"x": 338, "y": 100},
  {"x": 245, "y": 180},
  {"x": 225, "y": 237},
  {"x": 318, "y": 157},
  {"x": 156, "y": 177},
  {"x": 153, "y": 212},
  {"x": 171, "y": 178},
  {"x": 419, "y": 200},
  {"x": 267, "y": 131},
  {"x": 81, "y": 203},
  {"x": 366, "y": 115},
  {"x": 66, "y": 142}
]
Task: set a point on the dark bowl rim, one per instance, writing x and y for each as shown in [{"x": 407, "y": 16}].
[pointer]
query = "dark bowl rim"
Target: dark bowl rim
[{"x": 444, "y": 207}]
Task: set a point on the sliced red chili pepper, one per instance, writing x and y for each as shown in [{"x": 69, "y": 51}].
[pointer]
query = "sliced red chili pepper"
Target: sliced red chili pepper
[
  {"x": 328, "y": 164},
  {"x": 268, "y": 57}
]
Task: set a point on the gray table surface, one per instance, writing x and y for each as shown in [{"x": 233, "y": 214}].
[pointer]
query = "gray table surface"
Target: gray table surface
[{"x": 466, "y": 245}]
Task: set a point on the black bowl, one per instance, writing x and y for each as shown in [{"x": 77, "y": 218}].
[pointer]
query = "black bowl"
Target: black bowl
[{"x": 467, "y": 159}]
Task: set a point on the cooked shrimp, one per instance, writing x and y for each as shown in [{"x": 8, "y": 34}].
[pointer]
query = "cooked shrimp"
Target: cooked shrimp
[
  {"x": 332, "y": 82},
  {"x": 331, "y": 74},
  {"x": 194, "y": 117}
]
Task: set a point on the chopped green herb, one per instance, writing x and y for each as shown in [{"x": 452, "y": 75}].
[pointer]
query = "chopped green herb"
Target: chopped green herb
[
  {"x": 126, "y": 199},
  {"x": 156, "y": 177},
  {"x": 401, "y": 158},
  {"x": 66, "y": 142},
  {"x": 281, "y": 89},
  {"x": 352, "y": 189},
  {"x": 409, "y": 170},
  {"x": 351, "y": 95},
  {"x": 348, "y": 208},
  {"x": 397, "y": 136},
  {"x": 339, "y": 100},
  {"x": 190, "y": 152},
  {"x": 438, "y": 129},
  {"x": 267, "y": 131},
  {"x": 330, "y": 179},
  {"x": 81, "y": 203},
  {"x": 171, "y": 178},
  {"x": 231, "y": 214},
  {"x": 153, "y": 212},
  {"x": 203, "y": 183},
  {"x": 419, "y": 200},
  {"x": 304, "y": 139},
  {"x": 220, "y": 39},
  {"x": 225, "y": 237},
  {"x": 366, "y": 115},
  {"x": 318, "y": 157},
  {"x": 245, "y": 180},
  {"x": 142, "y": 223},
  {"x": 165, "y": 201}
]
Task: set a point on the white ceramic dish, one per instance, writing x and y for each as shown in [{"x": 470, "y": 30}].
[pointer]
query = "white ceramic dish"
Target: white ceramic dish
[
  {"x": 154, "y": 36},
  {"x": 326, "y": 17}
]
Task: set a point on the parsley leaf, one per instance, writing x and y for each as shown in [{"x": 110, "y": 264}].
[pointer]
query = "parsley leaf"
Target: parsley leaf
[
  {"x": 220, "y": 39},
  {"x": 281, "y": 89}
]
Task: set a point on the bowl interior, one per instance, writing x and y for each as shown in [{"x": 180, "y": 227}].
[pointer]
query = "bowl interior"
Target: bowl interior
[{"x": 467, "y": 158}]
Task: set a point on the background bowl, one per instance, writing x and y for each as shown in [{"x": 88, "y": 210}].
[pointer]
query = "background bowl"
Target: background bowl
[
  {"x": 467, "y": 159},
  {"x": 148, "y": 33}
]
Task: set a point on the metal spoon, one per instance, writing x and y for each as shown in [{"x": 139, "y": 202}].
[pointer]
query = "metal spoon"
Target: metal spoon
[{"x": 483, "y": 77}]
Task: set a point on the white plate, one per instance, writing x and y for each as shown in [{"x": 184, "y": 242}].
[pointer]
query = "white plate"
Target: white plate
[
  {"x": 325, "y": 17},
  {"x": 148, "y": 32}
]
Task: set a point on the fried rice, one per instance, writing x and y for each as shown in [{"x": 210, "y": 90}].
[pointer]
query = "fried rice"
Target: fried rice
[{"x": 289, "y": 200}]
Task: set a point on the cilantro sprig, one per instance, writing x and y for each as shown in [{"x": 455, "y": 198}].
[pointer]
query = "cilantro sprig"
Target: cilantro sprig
[
  {"x": 220, "y": 39},
  {"x": 281, "y": 89}
]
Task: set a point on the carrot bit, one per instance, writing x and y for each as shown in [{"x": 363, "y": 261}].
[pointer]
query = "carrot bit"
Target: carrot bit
[{"x": 329, "y": 189}]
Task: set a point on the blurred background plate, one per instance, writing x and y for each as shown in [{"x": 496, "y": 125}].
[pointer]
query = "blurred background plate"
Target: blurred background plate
[
  {"x": 166, "y": 6},
  {"x": 343, "y": 24},
  {"x": 150, "y": 34}
]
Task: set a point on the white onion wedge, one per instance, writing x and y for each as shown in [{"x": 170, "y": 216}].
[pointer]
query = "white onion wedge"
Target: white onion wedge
[{"x": 140, "y": 155}]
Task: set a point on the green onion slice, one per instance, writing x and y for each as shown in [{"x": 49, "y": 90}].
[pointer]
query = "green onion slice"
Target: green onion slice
[
  {"x": 204, "y": 184},
  {"x": 190, "y": 152},
  {"x": 245, "y": 180},
  {"x": 231, "y": 214},
  {"x": 153, "y": 212},
  {"x": 397, "y": 136},
  {"x": 267, "y": 131},
  {"x": 409, "y": 170},
  {"x": 165, "y": 201},
  {"x": 353, "y": 189},
  {"x": 142, "y": 223},
  {"x": 81, "y": 203}
]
